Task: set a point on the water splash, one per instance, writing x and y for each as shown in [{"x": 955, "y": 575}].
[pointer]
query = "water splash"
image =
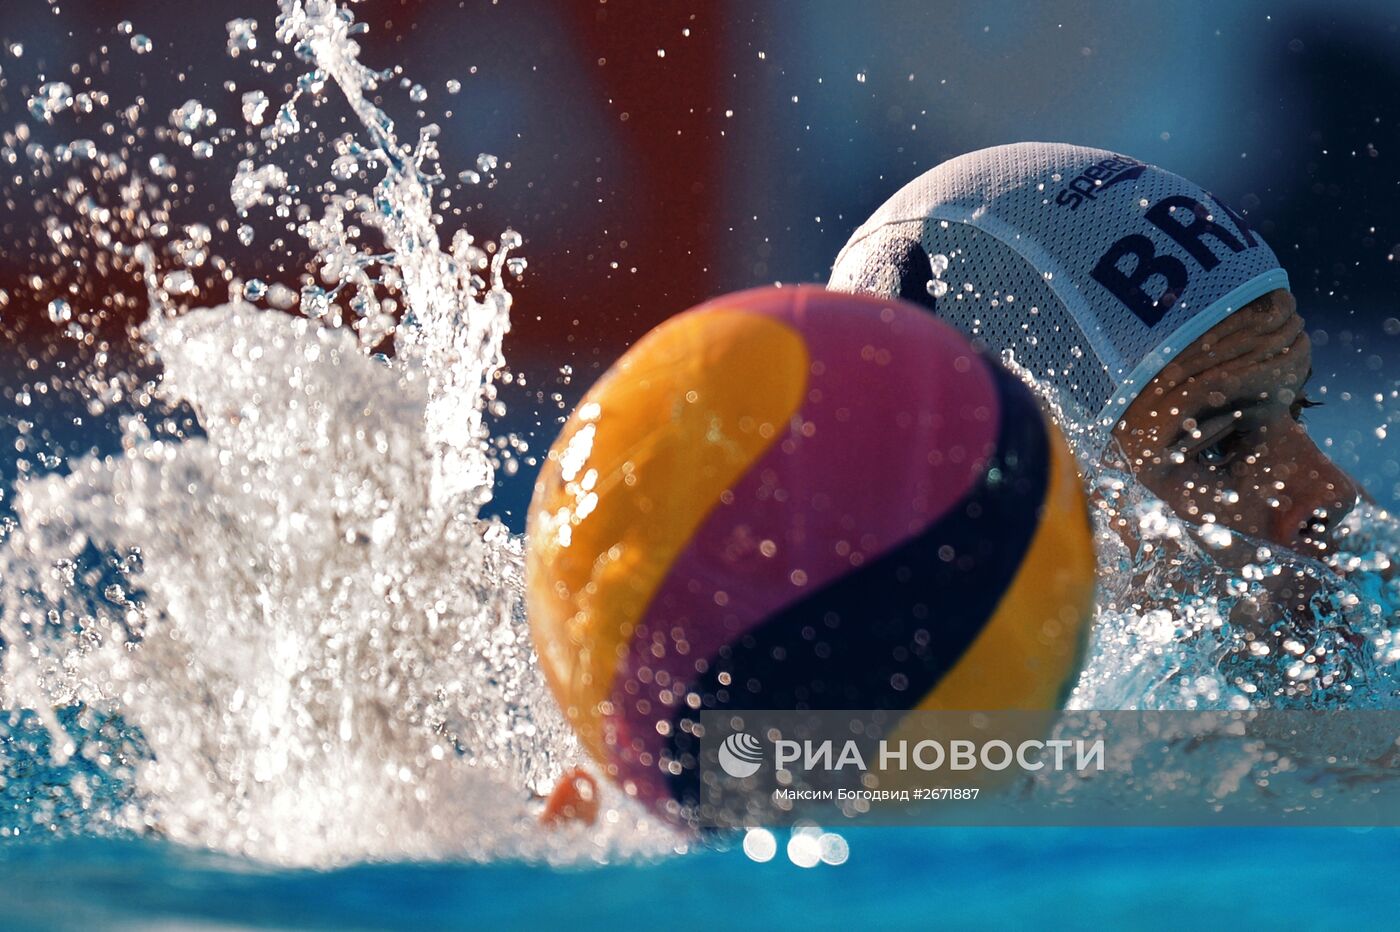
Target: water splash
[
  {"x": 1197, "y": 617},
  {"x": 276, "y": 623},
  {"x": 1178, "y": 627}
]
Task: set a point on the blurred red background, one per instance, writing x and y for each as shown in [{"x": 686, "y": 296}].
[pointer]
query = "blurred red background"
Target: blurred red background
[{"x": 657, "y": 154}]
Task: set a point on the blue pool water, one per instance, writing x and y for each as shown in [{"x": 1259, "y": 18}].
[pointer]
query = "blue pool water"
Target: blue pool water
[{"x": 924, "y": 878}]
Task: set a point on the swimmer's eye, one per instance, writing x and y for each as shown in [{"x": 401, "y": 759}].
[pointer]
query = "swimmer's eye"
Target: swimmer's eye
[
  {"x": 1219, "y": 446},
  {"x": 1301, "y": 404},
  {"x": 1216, "y": 454}
]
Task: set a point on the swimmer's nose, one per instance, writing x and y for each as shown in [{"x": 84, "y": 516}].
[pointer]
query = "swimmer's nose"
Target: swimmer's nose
[{"x": 1319, "y": 495}]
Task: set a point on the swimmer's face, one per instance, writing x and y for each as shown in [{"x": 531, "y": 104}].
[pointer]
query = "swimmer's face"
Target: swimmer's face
[{"x": 1218, "y": 435}]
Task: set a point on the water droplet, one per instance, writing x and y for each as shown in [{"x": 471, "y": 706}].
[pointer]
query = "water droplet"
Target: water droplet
[
  {"x": 804, "y": 847},
  {"x": 242, "y": 36},
  {"x": 344, "y": 166},
  {"x": 179, "y": 281},
  {"x": 760, "y": 845},
  {"x": 834, "y": 849},
  {"x": 192, "y": 115},
  {"x": 287, "y": 123},
  {"x": 251, "y": 185},
  {"x": 254, "y": 106},
  {"x": 52, "y": 98},
  {"x": 315, "y": 303},
  {"x": 313, "y": 82}
]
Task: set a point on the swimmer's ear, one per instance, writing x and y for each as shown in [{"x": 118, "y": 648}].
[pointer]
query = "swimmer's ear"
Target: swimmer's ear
[{"x": 899, "y": 268}]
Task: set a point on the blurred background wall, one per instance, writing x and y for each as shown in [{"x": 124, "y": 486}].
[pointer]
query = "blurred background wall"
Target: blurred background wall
[{"x": 663, "y": 153}]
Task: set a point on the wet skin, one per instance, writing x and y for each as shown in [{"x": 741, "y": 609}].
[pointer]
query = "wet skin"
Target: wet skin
[{"x": 1218, "y": 434}]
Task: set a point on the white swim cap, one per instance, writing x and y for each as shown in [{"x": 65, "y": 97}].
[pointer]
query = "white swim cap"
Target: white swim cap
[{"x": 1092, "y": 268}]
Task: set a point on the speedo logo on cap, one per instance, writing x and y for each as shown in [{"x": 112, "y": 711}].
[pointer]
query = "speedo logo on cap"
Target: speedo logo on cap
[{"x": 1092, "y": 181}]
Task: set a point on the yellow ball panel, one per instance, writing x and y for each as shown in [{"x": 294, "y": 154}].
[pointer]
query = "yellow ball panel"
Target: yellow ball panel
[
  {"x": 1027, "y": 653},
  {"x": 639, "y": 465}
]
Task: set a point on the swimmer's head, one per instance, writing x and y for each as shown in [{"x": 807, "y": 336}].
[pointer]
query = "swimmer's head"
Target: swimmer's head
[
  {"x": 1150, "y": 307},
  {"x": 1218, "y": 434},
  {"x": 1091, "y": 268}
]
